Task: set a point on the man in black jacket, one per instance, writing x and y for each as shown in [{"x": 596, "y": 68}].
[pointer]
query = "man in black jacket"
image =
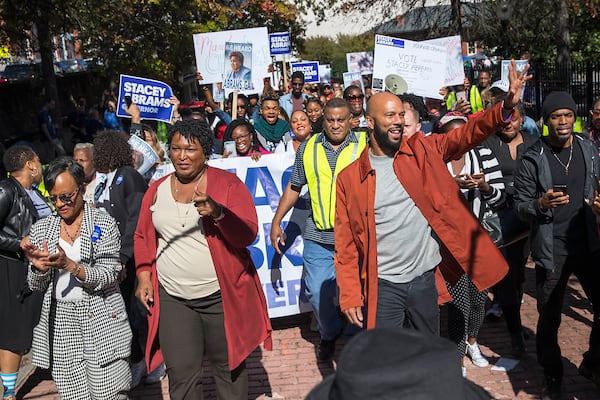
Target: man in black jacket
[{"x": 554, "y": 189}]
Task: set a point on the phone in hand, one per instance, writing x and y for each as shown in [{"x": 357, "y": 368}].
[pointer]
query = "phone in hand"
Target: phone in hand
[
  {"x": 461, "y": 95},
  {"x": 128, "y": 101},
  {"x": 560, "y": 188},
  {"x": 229, "y": 147}
]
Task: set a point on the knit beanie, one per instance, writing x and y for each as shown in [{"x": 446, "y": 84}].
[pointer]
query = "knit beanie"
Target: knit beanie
[{"x": 555, "y": 101}]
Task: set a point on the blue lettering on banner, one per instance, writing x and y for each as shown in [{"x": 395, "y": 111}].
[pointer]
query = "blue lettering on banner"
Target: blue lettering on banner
[
  {"x": 286, "y": 296},
  {"x": 389, "y": 41},
  {"x": 293, "y": 236},
  {"x": 262, "y": 175}
]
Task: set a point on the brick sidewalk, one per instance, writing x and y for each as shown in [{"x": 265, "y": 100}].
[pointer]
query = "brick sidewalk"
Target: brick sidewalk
[{"x": 291, "y": 369}]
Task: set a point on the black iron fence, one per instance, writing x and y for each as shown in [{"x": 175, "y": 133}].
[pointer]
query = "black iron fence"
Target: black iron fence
[{"x": 581, "y": 80}]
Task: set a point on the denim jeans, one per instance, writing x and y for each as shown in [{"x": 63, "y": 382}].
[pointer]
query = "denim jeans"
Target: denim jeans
[
  {"x": 321, "y": 287},
  {"x": 414, "y": 303}
]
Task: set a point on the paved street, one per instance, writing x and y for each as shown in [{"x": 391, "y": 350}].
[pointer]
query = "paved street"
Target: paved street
[{"x": 290, "y": 370}]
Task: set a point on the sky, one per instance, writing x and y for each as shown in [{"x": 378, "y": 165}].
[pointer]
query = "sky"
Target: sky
[{"x": 335, "y": 25}]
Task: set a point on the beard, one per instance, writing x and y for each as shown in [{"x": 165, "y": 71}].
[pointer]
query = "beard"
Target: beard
[{"x": 384, "y": 141}]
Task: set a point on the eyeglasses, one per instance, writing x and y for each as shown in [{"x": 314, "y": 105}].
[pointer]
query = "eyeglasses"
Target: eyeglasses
[
  {"x": 354, "y": 97},
  {"x": 66, "y": 199},
  {"x": 241, "y": 137},
  {"x": 595, "y": 113}
]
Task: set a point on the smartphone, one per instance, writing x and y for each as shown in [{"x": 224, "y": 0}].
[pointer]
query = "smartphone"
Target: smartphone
[
  {"x": 128, "y": 101},
  {"x": 462, "y": 95},
  {"x": 229, "y": 147},
  {"x": 560, "y": 188}
]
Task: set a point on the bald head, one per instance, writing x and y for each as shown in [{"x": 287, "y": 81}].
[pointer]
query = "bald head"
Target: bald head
[
  {"x": 377, "y": 100},
  {"x": 385, "y": 118}
]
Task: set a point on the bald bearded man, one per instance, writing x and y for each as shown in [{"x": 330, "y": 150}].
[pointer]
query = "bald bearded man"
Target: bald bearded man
[{"x": 401, "y": 225}]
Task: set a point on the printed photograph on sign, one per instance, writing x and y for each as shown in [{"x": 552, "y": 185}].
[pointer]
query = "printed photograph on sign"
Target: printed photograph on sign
[
  {"x": 218, "y": 92},
  {"x": 325, "y": 73},
  {"x": 238, "y": 66},
  {"x": 361, "y": 62}
]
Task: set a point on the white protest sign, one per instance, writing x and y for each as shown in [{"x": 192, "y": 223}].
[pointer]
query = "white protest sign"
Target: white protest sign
[
  {"x": 210, "y": 50},
  {"x": 354, "y": 78},
  {"x": 280, "y": 276},
  {"x": 455, "y": 70},
  {"x": 405, "y": 66},
  {"x": 143, "y": 153}
]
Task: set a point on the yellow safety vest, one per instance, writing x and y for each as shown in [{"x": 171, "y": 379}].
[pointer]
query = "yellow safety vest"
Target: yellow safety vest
[
  {"x": 321, "y": 183},
  {"x": 577, "y": 127},
  {"x": 475, "y": 99}
]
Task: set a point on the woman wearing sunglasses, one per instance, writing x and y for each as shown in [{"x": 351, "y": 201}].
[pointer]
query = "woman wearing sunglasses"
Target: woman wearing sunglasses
[
  {"x": 83, "y": 334},
  {"x": 20, "y": 206}
]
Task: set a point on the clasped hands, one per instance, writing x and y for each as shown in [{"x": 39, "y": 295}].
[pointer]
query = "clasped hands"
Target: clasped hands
[{"x": 42, "y": 260}]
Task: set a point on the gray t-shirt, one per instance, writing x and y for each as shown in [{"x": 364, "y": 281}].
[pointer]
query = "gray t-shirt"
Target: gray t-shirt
[{"x": 406, "y": 245}]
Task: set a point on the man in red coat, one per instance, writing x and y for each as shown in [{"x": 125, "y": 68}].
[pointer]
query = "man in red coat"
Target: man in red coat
[{"x": 401, "y": 224}]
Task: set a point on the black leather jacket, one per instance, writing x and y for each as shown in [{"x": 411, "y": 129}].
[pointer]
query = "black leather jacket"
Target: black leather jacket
[{"x": 17, "y": 214}]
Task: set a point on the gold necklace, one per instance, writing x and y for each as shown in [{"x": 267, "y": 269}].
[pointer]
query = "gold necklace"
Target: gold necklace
[
  {"x": 566, "y": 167},
  {"x": 75, "y": 235},
  {"x": 187, "y": 211}
]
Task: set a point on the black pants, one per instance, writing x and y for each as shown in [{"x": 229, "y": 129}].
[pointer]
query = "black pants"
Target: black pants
[
  {"x": 550, "y": 288},
  {"x": 508, "y": 293},
  {"x": 189, "y": 329}
]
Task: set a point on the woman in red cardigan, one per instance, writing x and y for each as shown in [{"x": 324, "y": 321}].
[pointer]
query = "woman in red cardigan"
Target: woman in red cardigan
[{"x": 195, "y": 274}]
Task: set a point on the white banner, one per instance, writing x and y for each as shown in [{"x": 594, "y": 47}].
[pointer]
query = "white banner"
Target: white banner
[
  {"x": 404, "y": 66},
  {"x": 210, "y": 50},
  {"x": 281, "y": 276},
  {"x": 455, "y": 70}
]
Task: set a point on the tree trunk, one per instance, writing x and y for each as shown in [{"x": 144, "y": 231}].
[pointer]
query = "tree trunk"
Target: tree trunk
[
  {"x": 456, "y": 17},
  {"x": 43, "y": 9},
  {"x": 563, "y": 40}
]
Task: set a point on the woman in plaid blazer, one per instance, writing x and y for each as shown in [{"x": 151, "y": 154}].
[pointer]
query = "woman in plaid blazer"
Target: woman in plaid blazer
[{"x": 83, "y": 335}]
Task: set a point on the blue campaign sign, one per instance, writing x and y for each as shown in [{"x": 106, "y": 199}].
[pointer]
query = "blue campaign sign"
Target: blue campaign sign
[
  {"x": 310, "y": 69},
  {"x": 151, "y": 97},
  {"x": 280, "y": 43}
]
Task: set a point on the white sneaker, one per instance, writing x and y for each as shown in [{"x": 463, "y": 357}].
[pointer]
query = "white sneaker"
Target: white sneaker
[
  {"x": 138, "y": 372},
  {"x": 475, "y": 355},
  {"x": 157, "y": 375}
]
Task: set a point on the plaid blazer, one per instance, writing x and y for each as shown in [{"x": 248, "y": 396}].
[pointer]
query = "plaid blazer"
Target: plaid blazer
[{"x": 108, "y": 326}]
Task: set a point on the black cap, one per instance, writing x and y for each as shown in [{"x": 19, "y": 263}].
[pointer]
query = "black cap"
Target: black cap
[{"x": 555, "y": 101}]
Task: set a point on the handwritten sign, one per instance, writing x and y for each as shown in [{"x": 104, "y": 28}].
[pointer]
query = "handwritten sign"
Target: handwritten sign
[
  {"x": 209, "y": 49},
  {"x": 455, "y": 71},
  {"x": 405, "y": 66}
]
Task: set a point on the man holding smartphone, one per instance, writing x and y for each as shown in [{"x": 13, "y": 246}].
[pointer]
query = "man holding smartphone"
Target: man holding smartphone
[{"x": 554, "y": 188}]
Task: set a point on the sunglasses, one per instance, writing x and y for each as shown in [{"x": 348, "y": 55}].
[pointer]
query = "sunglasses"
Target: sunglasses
[
  {"x": 66, "y": 199},
  {"x": 355, "y": 97}
]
